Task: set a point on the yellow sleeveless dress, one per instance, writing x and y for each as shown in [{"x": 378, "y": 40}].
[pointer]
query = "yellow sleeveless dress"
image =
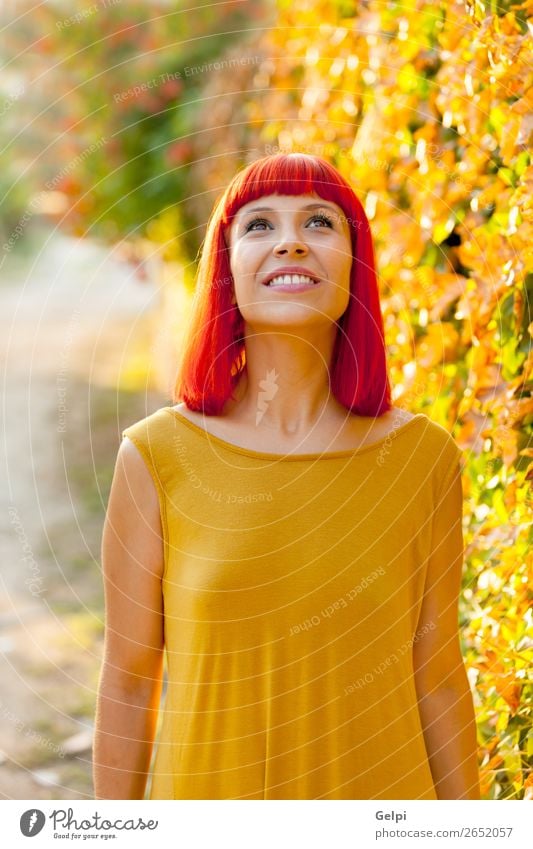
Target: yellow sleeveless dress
[{"x": 292, "y": 591}]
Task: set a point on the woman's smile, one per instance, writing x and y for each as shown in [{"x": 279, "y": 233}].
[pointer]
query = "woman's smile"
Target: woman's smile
[{"x": 291, "y": 278}]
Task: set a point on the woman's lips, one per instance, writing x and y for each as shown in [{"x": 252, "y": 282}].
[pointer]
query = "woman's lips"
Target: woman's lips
[
  {"x": 294, "y": 287},
  {"x": 294, "y": 282}
]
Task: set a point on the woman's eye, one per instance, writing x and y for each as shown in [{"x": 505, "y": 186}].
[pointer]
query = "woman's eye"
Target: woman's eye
[
  {"x": 250, "y": 225},
  {"x": 319, "y": 217},
  {"x": 323, "y": 218}
]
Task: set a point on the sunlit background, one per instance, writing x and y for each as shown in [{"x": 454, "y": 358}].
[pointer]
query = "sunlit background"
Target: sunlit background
[{"x": 121, "y": 122}]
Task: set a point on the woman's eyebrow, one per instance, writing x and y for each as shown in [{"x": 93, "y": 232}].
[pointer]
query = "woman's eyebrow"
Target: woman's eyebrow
[{"x": 308, "y": 206}]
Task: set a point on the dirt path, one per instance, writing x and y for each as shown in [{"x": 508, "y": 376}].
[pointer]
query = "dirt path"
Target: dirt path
[{"x": 69, "y": 322}]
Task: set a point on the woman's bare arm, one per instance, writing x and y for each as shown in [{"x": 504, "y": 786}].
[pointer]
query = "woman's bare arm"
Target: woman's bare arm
[
  {"x": 444, "y": 697},
  {"x": 131, "y": 678}
]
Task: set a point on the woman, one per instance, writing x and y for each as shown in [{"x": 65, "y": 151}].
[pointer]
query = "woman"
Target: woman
[{"x": 291, "y": 539}]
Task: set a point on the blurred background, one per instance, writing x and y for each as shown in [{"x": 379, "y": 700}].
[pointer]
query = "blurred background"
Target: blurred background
[{"x": 121, "y": 123}]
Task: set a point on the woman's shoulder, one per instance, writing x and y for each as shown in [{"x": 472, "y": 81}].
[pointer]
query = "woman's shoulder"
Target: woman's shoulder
[
  {"x": 435, "y": 442},
  {"x": 153, "y": 437},
  {"x": 427, "y": 443},
  {"x": 398, "y": 417},
  {"x": 153, "y": 433}
]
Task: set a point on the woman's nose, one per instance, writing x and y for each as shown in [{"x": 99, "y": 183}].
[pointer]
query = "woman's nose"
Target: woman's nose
[{"x": 290, "y": 246}]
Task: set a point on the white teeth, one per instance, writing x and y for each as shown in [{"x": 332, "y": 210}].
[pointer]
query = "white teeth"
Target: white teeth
[{"x": 290, "y": 280}]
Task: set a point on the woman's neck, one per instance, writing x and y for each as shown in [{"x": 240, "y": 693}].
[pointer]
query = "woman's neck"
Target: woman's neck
[{"x": 285, "y": 385}]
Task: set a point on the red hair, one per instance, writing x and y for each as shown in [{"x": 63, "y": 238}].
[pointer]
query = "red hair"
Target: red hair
[{"x": 213, "y": 354}]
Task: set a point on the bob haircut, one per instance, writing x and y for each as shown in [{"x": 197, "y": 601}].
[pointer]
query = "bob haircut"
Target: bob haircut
[{"x": 213, "y": 353}]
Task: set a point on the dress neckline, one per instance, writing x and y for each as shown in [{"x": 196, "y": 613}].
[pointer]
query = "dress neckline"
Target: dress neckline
[{"x": 268, "y": 455}]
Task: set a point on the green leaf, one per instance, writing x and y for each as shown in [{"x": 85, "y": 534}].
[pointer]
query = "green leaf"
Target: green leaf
[
  {"x": 522, "y": 161},
  {"x": 507, "y": 175}
]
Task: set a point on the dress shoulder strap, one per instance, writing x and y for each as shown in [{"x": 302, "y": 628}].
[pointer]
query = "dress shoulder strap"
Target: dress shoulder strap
[{"x": 152, "y": 436}]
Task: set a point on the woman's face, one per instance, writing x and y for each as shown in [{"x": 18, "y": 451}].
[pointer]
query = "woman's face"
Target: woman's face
[{"x": 276, "y": 233}]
